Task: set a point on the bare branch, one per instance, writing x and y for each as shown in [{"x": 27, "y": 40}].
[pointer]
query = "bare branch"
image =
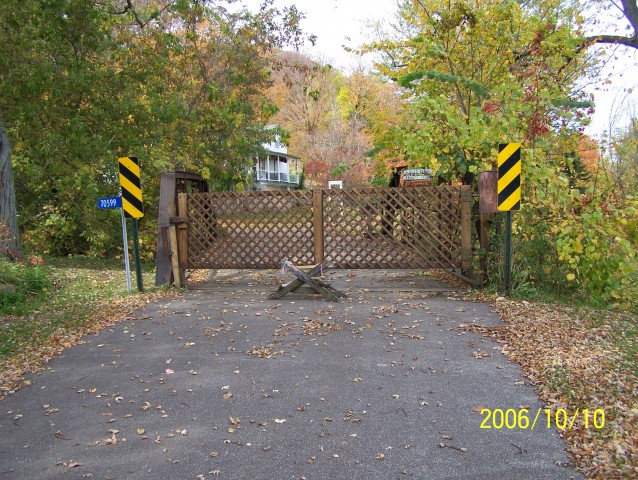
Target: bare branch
[
  {"x": 129, "y": 7},
  {"x": 630, "y": 11},
  {"x": 631, "y": 42}
]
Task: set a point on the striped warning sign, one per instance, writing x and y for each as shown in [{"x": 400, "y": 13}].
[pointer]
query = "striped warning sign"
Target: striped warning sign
[
  {"x": 509, "y": 176},
  {"x": 131, "y": 187}
]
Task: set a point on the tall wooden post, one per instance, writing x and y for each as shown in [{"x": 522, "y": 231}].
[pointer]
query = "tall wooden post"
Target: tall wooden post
[
  {"x": 484, "y": 238},
  {"x": 466, "y": 227},
  {"x": 317, "y": 223},
  {"x": 167, "y": 209},
  {"x": 182, "y": 236},
  {"x": 174, "y": 256}
]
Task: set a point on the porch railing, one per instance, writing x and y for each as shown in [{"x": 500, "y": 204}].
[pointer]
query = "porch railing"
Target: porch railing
[{"x": 280, "y": 177}]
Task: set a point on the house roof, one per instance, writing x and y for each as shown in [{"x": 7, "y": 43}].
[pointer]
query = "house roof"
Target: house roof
[{"x": 279, "y": 154}]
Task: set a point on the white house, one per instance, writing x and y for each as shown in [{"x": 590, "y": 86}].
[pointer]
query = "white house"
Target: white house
[{"x": 276, "y": 169}]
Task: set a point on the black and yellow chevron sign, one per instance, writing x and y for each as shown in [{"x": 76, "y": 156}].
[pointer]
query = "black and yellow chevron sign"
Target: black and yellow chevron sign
[
  {"x": 131, "y": 187},
  {"x": 509, "y": 177}
]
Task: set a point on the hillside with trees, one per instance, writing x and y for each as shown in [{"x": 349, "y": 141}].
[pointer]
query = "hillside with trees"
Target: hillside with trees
[{"x": 333, "y": 117}]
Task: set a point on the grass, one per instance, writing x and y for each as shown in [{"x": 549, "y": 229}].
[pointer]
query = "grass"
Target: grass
[
  {"x": 76, "y": 300},
  {"x": 22, "y": 287}
]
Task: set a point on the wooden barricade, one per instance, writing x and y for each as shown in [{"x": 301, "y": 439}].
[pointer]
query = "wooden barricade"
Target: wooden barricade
[{"x": 416, "y": 227}]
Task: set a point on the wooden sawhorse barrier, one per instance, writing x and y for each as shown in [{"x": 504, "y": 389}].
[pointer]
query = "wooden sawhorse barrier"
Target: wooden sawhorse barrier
[{"x": 325, "y": 290}]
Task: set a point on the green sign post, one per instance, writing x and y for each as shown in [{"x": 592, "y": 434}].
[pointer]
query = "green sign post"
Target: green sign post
[{"x": 509, "y": 197}]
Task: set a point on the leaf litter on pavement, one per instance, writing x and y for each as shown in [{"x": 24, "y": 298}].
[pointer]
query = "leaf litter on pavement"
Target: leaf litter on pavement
[
  {"x": 574, "y": 361},
  {"x": 87, "y": 300},
  {"x": 577, "y": 361}
]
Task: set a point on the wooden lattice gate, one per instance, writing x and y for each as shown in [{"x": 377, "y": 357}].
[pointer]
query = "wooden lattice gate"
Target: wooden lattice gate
[{"x": 410, "y": 227}]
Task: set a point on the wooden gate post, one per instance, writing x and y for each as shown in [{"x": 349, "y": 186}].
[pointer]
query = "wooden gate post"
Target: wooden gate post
[
  {"x": 466, "y": 227},
  {"x": 182, "y": 235},
  {"x": 172, "y": 232},
  {"x": 173, "y": 253},
  {"x": 317, "y": 223},
  {"x": 484, "y": 238}
]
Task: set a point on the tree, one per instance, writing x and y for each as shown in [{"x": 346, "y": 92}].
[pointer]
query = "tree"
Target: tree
[
  {"x": 623, "y": 164},
  {"x": 9, "y": 238},
  {"x": 177, "y": 83},
  {"x": 482, "y": 72},
  {"x": 332, "y": 116}
]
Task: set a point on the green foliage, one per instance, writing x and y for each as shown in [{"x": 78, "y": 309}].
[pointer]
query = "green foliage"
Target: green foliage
[
  {"x": 599, "y": 244},
  {"x": 302, "y": 181},
  {"x": 571, "y": 242},
  {"x": 622, "y": 164},
  {"x": 179, "y": 87},
  {"x": 485, "y": 72},
  {"x": 23, "y": 286},
  {"x": 339, "y": 170},
  {"x": 480, "y": 73},
  {"x": 536, "y": 271}
]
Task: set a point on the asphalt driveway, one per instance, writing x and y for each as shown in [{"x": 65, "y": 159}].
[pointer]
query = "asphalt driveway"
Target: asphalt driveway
[{"x": 224, "y": 383}]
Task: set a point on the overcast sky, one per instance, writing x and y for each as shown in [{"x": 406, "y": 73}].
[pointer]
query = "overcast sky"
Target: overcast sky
[{"x": 344, "y": 22}]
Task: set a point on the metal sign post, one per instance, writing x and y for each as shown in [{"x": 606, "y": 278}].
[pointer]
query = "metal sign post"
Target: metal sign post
[
  {"x": 127, "y": 267},
  {"x": 116, "y": 202},
  {"x": 507, "y": 261}
]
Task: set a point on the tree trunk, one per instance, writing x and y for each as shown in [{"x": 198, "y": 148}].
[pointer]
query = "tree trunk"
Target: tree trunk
[{"x": 9, "y": 240}]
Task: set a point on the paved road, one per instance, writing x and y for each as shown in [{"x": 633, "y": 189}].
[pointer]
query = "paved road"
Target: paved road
[{"x": 228, "y": 384}]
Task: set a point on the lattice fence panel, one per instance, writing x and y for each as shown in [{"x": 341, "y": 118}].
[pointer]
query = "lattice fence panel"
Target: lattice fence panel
[
  {"x": 250, "y": 229},
  {"x": 409, "y": 227}
]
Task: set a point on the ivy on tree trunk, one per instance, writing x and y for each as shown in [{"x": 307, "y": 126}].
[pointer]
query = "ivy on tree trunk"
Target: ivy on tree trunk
[{"x": 9, "y": 240}]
